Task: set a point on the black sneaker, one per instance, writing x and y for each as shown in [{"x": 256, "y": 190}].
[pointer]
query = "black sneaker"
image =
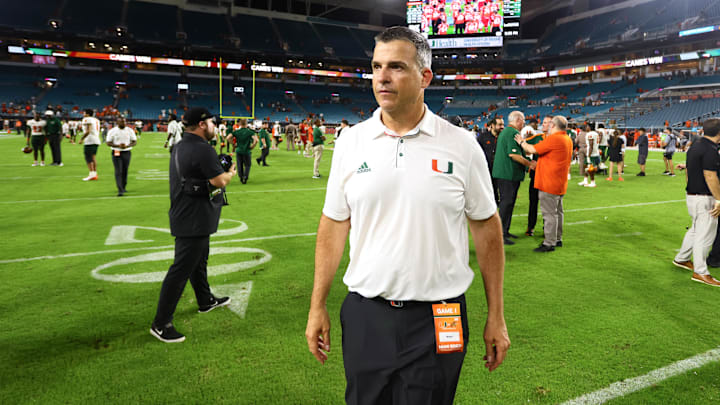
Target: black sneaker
[
  {"x": 542, "y": 249},
  {"x": 217, "y": 302},
  {"x": 512, "y": 235},
  {"x": 558, "y": 243},
  {"x": 641, "y": 174},
  {"x": 168, "y": 334},
  {"x": 507, "y": 241}
]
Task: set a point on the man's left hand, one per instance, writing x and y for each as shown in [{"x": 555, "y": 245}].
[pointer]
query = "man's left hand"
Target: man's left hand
[{"x": 497, "y": 343}]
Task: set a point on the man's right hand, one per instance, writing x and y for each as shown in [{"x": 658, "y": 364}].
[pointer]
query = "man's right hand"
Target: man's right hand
[
  {"x": 317, "y": 333},
  {"x": 715, "y": 212}
]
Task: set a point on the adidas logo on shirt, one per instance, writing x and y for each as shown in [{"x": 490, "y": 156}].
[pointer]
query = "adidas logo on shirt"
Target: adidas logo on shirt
[{"x": 363, "y": 168}]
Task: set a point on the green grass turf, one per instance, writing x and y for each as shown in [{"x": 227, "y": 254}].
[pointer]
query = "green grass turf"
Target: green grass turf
[{"x": 606, "y": 307}]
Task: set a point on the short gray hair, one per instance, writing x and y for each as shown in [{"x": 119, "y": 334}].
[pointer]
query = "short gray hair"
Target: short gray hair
[
  {"x": 423, "y": 54},
  {"x": 560, "y": 122},
  {"x": 516, "y": 116}
]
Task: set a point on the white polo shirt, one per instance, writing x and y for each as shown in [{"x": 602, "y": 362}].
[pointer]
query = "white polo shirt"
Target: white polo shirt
[
  {"x": 407, "y": 199},
  {"x": 93, "y": 137},
  {"x": 175, "y": 129},
  {"x": 119, "y": 136}
]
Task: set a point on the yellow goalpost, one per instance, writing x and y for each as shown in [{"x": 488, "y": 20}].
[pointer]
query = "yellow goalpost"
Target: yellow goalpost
[{"x": 220, "y": 84}]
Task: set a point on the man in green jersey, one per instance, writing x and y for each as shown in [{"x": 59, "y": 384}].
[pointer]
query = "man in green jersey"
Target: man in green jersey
[
  {"x": 264, "y": 140},
  {"x": 53, "y": 131},
  {"x": 245, "y": 140}
]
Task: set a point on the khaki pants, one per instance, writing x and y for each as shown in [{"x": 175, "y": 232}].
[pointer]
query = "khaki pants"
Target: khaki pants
[
  {"x": 317, "y": 155},
  {"x": 551, "y": 207},
  {"x": 581, "y": 162},
  {"x": 699, "y": 238}
]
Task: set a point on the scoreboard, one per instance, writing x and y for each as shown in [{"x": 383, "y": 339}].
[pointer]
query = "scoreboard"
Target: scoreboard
[
  {"x": 511, "y": 18},
  {"x": 465, "y": 23}
]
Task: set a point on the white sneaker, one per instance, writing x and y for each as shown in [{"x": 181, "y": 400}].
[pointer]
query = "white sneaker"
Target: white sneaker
[
  {"x": 61, "y": 164},
  {"x": 35, "y": 163},
  {"x": 569, "y": 176},
  {"x": 42, "y": 163},
  {"x": 583, "y": 183},
  {"x": 591, "y": 185}
]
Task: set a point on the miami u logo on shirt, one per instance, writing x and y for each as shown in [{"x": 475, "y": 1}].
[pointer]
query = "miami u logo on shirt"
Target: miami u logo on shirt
[{"x": 449, "y": 167}]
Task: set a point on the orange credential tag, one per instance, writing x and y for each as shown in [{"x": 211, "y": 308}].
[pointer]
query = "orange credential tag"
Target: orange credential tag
[{"x": 448, "y": 328}]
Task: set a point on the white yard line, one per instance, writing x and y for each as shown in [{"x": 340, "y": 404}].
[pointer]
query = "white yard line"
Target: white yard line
[
  {"x": 101, "y": 252},
  {"x": 126, "y": 197},
  {"x": 614, "y": 206},
  {"x": 625, "y": 387},
  {"x": 578, "y": 223}
]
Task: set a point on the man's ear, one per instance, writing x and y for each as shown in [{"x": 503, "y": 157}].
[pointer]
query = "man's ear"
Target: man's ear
[{"x": 427, "y": 76}]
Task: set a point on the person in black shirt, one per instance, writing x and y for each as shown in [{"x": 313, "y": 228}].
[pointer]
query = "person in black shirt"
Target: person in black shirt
[
  {"x": 703, "y": 202},
  {"x": 488, "y": 142},
  {"x": 196, "y": 176},
  {"x": 642, "y": 144}
]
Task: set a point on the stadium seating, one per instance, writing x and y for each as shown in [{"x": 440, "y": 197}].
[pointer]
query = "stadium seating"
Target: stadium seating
[
  {"x": 658, "y": 15},
  {"x": 196, "y": 25},
  {"x": 341, "y": 41},
  {"x": 365, "y": 37},
  {"x": 142, "y": 21},
  {"x": 92, "y": 17},
  {"x": 18, "y": 14},
  {"x": 256, "y": 33},
  {"x": 300, "y": 38}
]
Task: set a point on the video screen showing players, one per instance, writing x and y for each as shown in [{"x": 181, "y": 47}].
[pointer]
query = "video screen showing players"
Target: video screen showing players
[{"x": 438, "y": 18}]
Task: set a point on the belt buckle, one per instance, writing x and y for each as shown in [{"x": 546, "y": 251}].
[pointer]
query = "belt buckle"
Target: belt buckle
[{"x": 397, "y": 304}]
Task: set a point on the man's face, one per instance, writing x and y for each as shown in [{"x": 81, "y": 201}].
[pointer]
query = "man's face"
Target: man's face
[
  {"x": 397, "y": 79},
  {"x": 546, "y": 125},
  {"x": 208, "y": 128},
  {"x": 499, "y": 125},
  {"x": 121, "y": 123},
  {"x": 533, "y": 125}
]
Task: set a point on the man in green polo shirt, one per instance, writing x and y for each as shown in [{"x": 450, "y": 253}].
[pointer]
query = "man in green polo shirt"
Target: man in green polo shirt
[
  {"x": 53, "y": 131},
  {"x": 245, "y": 140},
  {"x": 264, "y": 140},
  {"x": 318, "y": 146},
  {"x": 509, "y": 170}
]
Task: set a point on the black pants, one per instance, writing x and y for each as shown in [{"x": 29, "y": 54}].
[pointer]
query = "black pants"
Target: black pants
[
  {"x": 244, "y": 161},
  {"x": 534, "y": 199},
  {"x": 263, "y": 155},
  {"x": 55, "y": 148},
  {"x": 191, "y": 255},
  {"x": 390, "y": 356},
  {"x": 508, "y": 194},
  {"x": 122, "y": 164},
  {"x": 714, "y": 258}
]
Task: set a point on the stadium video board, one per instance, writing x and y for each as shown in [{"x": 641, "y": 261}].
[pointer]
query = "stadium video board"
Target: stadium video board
[{"x": 463, "y": 23}]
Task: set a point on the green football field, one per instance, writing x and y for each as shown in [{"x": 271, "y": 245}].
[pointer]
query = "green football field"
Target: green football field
[{"x": 79, "y": 270}]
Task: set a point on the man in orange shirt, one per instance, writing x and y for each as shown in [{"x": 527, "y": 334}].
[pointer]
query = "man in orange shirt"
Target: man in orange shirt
[{"x": 555, "y": 154}]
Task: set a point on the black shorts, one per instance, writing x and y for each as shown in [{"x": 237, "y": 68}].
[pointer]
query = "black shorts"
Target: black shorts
[
  {"x": 90, "y": 152},
  {"x": 668, "y": 155},
  {"x": 642, "y": 158},
  {"x": 37, "y": 141}
]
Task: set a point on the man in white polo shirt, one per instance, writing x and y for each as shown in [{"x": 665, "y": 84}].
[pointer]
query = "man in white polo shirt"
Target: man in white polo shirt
[
  {"x": 405, "y": 184},
  {"x": 121, "y": 140}
]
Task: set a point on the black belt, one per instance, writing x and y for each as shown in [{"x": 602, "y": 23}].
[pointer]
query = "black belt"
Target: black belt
[{"x": 403, "y": 304}]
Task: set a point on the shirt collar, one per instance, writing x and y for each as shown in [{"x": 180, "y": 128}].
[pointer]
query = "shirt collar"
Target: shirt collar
[{"x": 425, "y": 126}]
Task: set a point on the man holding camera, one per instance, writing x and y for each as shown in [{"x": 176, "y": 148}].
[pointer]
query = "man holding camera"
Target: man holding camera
[{"x": 196, "y": 176}]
